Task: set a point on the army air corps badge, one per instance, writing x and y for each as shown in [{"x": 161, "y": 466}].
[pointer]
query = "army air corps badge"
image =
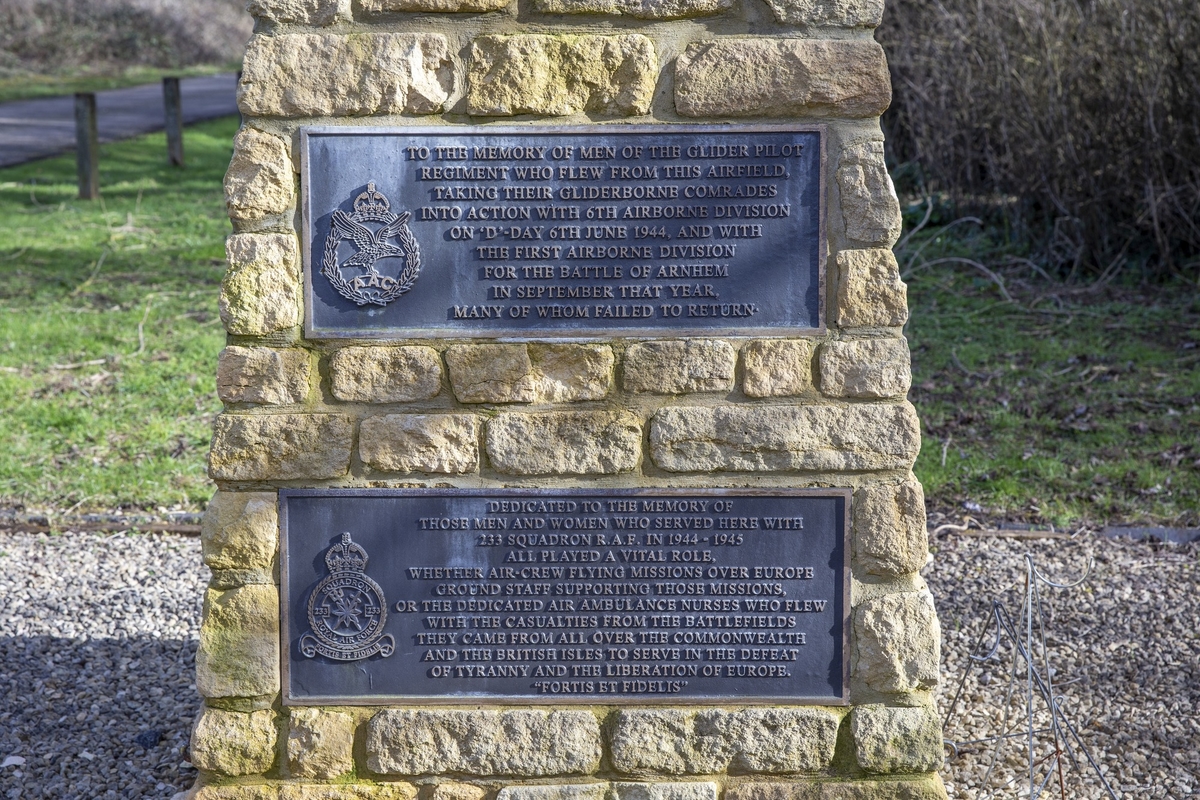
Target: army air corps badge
[
  {"x": 347, "y": 610},
  {"x": 371, "y": 227}
]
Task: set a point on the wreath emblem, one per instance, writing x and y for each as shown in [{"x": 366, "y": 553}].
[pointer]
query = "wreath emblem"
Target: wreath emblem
[
  {"x": 373, "y": 245},
  {"x": 347, "y": 610}
]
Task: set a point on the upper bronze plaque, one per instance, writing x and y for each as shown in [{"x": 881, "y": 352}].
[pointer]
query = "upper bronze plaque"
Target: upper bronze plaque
[{"x": 553, "y": 232}]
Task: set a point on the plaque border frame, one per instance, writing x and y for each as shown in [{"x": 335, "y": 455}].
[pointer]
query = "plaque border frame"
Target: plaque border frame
[
  {"x": 581, "y": 335},
  {"x": 504, "y": 701}
]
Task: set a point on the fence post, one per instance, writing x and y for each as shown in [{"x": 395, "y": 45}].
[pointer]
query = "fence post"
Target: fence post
[
  {"x": 173, "y": 109},
  {"x": 87, "y": 146}
]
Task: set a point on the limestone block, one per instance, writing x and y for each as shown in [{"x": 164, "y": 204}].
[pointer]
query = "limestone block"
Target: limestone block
[
  {"x": 385, "y": 374},
  {"x": 765, "y": 438},
  {"x": 639, "y": 9},
  {"x": 320, "y": 743},
  {"x": 380, "y": 6},
  {"x": 233, "y": 743},
  {"x": 691, "y": 790},
  {"x": 898, "y": 642},
  {"x": 458, "y": 791},
  {"x": 870, "y": 292},
  {"x": 279, "y": 447},
  {"x": 480, "y": 742},
  {"x": 240, "y": 531},
  {"x": 565, "y": 443},
  {"x": 866, "y": 368},
  {"x": 301, "y": 12},
  {"x": 870, "y": 207},
  {"x": 782, "y": 78},
  {"x": 777, "y": 368},
  {"x": 842, "y": 13},
  {"x": 236, "y": 792},
  {"x": 260, "y": 181},
  {"x": 517, "y": 373},
  {"x": 928, "y": 787},
  {"x": 560, "y": 75},
  {"x": 889, "y": 529},
  {"x": 238, "y": 655},
  {"x": 569, "y": 791},
  {"x": 766, "y": 740},
  {"x": 888, "y": 740},
  {"x": 331, "y": 75},
  {"x": 260, "y": 293},
  {"x": 262, "y": 375},
  {"x": 446, "y": 443},
  {"x": 696, "y": 365},
  {"x": 347, "y": 791}
]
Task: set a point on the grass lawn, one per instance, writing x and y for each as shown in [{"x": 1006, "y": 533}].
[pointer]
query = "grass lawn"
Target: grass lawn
[
  {"x": 25, "y": 87},
  {"x": 1056, "y": 407},
  {"x": 108, "y": 326}
]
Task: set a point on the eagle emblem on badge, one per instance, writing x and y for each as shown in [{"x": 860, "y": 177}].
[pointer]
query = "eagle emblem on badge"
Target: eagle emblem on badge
[
  {"x": 347, "y": 610},
  {"x": 377, "y": 235}
]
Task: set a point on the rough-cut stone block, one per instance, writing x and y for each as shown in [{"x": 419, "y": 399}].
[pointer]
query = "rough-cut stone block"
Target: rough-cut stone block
[
  {"x": 461, "y": 6},
  {"x": 260, "y": 293},
  {"x": 639, "y": 9},
  {"x": 842, "y": 13},
  {"x": 782, "y": 78},
  {"x": 262, "y": 375},
  {"x": 517, "y": 373},
  {"x": 260, "y": 181},
  {"x": 347, "y": 791},
  {"x": 870, "y": 292},
  {"x": 446, "y": 443},
  {"x": 692, "y": 790},
  {"x": 925, "y": 788},
  {"x": 236, "y": 792},
  {"x": 233, "y": 743},
  {"x": 696, "y": 365},
  {"x": 891, "y": 740},
  {"x": 679, "y": 741},
  {"x": 777, "y": 368},
  {"x": 764, "y": 438},
  {"x": 240, "y": 531},
  {"x": 238, "y": 655},
  {"x": 385, "y": 374},
  {"x": 458, "y": 791},
  {"x": 899, "y": 642},
  {"x": 889, "y": 529},
  {"x": 568, "y": 791},
  {"x": 479, "y": 742},
  {"x": 565, "y": 443},
  {"x": 279, "y": 447},
  {"x": 321, "y": 75},
  {"x": 320, "y": 743},
  {"x": 560, "y": 75},
  {"x": 301, "y": 12},
  {"x": 866, "y": 368},
  {"x": 870, "y": 207}
]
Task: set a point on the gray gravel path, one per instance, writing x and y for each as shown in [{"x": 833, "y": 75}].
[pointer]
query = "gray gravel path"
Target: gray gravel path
[
  {"x": 33, "y": 129},
  {"x": 98, "y": 639}
]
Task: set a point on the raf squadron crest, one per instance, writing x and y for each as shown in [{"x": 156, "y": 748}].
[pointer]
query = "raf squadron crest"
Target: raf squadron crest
[
  {"x": 347, "y": 610},
  {"x": 371, "y": 228}
]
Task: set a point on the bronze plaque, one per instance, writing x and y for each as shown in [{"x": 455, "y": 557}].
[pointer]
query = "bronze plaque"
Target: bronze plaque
[
  {"x": 563, "y": 232},
  {"x": 562, "y": 596}
]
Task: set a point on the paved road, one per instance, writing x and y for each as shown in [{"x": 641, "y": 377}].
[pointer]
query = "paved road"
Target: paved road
[{"x": 33, "y": 129}]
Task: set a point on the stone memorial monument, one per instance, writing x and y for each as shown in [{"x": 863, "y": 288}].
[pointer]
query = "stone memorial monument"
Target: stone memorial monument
[{"x": 565, "y": 452}]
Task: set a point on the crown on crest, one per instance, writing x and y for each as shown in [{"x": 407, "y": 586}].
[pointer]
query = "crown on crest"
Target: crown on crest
[
  {"x": 346, "y": 556},
  {"x": 371, "y": 201}
]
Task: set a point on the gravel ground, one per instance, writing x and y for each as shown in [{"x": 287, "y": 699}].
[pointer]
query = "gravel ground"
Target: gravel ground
[
  {"x": 97, "y": 650},
  {"x": 1125, "y": 652},
  {"x": 98, "y": 636}
]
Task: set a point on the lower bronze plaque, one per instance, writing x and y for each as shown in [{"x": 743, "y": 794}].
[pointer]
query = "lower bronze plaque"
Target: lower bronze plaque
[{"x": 395, "y": 596}]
